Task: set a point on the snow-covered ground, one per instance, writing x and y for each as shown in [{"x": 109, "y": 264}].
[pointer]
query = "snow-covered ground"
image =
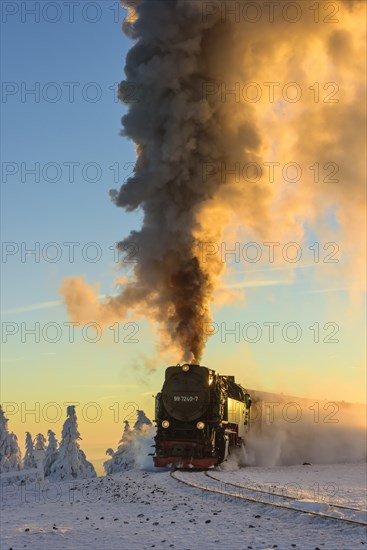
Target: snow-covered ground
[
  {"x": 149, "y": 509},
  {"x": 343, "y": 484}
]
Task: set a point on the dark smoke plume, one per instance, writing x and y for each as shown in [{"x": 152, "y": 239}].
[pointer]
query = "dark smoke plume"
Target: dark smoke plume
[
  {"x": 176, "y": 132},
  {"x": 184, "y": 132}
]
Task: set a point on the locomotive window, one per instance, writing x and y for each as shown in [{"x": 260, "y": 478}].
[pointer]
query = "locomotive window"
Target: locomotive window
[{"x": 234, "y": 411}]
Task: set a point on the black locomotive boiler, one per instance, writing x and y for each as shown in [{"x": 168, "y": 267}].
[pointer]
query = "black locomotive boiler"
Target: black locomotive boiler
[{"x": 199, "y": 415}]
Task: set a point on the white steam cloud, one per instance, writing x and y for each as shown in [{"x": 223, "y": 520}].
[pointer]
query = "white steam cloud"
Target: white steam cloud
[{"x": 287, "y": 431}]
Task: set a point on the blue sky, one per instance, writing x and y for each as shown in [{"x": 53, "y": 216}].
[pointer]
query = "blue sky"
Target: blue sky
[{"x": 62, "y": 132}]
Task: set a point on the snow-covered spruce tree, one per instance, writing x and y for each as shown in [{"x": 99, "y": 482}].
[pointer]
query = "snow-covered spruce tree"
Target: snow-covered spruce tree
[
  {"x": 10, "y": 457},
  {"x": 28, "y": 461},
  {"x": 40, "y": 442},
  {"x": 71, "y": 462},
  {"x": 123, "y": 459},
  {"x": 133, "y": 447},
  {"x": 142, "y": 423},
  {"x": 51, "y": 452},
  {"x": 143, "y": 440}
]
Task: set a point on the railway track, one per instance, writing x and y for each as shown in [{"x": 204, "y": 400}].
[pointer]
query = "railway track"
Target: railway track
[
  {"x": 248, "y": 488},
  {"x": 200, "y": 482}
]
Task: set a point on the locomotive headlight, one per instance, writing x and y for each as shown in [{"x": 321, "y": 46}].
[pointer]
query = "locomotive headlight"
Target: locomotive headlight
[
  {"x": 200, "y": 425},
  {"x": 165, "y": 424},
  {"x": 186, "y": 368}
]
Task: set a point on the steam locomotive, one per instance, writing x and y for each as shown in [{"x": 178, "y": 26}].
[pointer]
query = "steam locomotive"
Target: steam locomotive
[{"x": 199, "y": 415}]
